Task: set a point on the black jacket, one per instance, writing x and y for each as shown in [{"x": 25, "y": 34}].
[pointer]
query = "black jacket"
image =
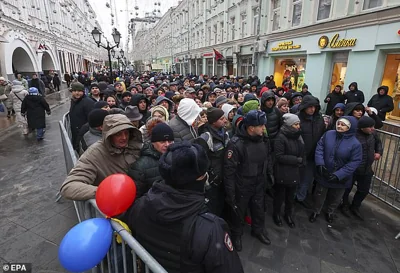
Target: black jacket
[
  {"x": 274, "y": 121},
  {"x": 335, "y": 98},
  {"x": 174, "y": 227},
  {"x": 289, "y": 157},
  {"x": 371, "y": 144},
  {"x": 35, "y": 106},
  {"x": 348, "y": 111},
  {"x": 312, "y": 127},
  {"x": 78, "y": 114},
  {"x": 383, "y": 104},
  {"x": 247, "y": 163},
  {"x": 144, "y": 171},
  {"x": 354, "y": 96}
]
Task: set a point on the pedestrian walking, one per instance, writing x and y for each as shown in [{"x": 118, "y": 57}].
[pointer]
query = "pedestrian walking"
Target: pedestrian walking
[
  {"x": 34, "y": 107},
  {"x": 17, "y": 95}
]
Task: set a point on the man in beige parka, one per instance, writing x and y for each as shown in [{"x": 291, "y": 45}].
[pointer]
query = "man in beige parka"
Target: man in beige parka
[{"x": 120, "y": 146}]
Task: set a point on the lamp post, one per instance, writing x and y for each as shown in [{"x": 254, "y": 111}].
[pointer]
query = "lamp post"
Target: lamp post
[
  {"x": 119, "y": 57},
  {"x": 116, "y": 37}
]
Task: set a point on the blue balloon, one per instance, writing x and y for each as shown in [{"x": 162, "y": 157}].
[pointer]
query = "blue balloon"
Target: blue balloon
[{"x": 85, "y": 245}]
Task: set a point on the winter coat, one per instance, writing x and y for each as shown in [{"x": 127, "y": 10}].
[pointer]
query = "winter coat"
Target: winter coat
[
  {"x": 182, "y": 131},
  {"x": 56, "y": 80},
  {"x": 176, "y": 229},
  {"x": 354, "y": 96},
  {"x": 335, "y": 98},
  {"x": 312, "y": 127},
  {"x": 35, "y": 106},
  {"x": 102, "y": 159},
  {"x": 90, "y": 138},
  {"x": 274, "y": 121},
  {"x": 289, "y": 157},
  {"x": 382, "y": 103},
  {"x": 78, "y": 113},
  {"x": 144, "y": 171},
  {"x": 5, "y": 90},
  {"x": 348, "y": 111},
  {"x": 39, "y": 84},
  {"x": 341, "y": 154},
  {"x": 17, "y": 95},
  {"x": 371, "y": 144}
]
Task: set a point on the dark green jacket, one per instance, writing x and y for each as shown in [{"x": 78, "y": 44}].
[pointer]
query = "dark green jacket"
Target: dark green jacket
[{"x": 144, "y": 171}]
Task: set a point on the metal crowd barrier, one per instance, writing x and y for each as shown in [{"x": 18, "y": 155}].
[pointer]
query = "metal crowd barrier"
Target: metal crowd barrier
[
  {"x": 142, "y": 261},
  {"x": 386, "y": 181}
]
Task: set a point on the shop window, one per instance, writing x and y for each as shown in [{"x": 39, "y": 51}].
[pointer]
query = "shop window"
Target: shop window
[
  {"x": 370, "y": 4},
  {"x": 297, "y": 7},
  {"x": 290, "y": 69},
  {"x": 391, "y": 78},
  {"x": 276, "y": 14},
  {"x": 324, "y": 9}
]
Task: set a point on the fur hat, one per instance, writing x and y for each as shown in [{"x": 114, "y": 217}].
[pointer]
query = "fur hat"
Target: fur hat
[
  {"x": 183, "y": 163},
  {"x": 255, "y": 118}
]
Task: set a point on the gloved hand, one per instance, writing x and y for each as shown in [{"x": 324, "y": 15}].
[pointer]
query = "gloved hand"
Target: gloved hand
[
  {"x": 323, "y": 171},
  {"x": 48, "y": 113},
  {"x": 333, "y": 179}
]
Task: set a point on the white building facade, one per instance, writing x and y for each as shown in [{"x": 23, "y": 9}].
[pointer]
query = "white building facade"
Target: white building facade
[
  {"x": 44, "y": 36},
  {"x": 281, "y": 38}
]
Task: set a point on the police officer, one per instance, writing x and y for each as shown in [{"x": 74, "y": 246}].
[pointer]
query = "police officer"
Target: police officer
[
  {"x": 246, "y": 168},
  {"x": 172, "y": 223},
  {"x": 217, "y": 139}
]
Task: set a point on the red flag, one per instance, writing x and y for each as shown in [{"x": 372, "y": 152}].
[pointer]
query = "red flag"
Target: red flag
[{"x": 218, "y": 56}]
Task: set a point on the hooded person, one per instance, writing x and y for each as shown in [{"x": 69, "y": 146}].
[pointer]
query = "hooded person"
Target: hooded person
[
  {"x": 183, "y": 124},
  {"x": 173, "y": 214},
  {"x": 289, "y": 160},
  {"x": 382, "y": 102},
  {"x": 119, "y": 147},
  {"x": 247, "y": 167},
  {"x": 337, "y": 156},
  {"x": 272, "y": 113},
  {"x": 333, "y": 98},
  {"x": 312, "y": 128},
  {"x": 145, "y": 170},
  {"x": 143, "y": 104},
  {"x": 167, "y": 104},
  {"x": 17, "y": 95},
  {"x": 229, "y": 113},
  {"x": 337, "y": 112},
  {"x": 354, "y": 95},
  {"x": 358, "y": 110},
  {"x": 35, "y": 106}
]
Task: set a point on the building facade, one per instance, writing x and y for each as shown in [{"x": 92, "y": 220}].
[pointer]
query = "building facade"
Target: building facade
[
  {"x": 322, "y": 43},
  {"x": 43, "y": 36}
]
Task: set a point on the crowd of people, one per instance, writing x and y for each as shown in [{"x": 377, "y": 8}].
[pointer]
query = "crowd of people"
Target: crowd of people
[{"x": 206, "y": 152}]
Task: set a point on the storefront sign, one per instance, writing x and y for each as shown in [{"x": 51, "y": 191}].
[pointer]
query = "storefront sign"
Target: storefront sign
[
  {"x": 335, "y": 42},
  {"x": 208, "y": 55},
  {"x": 286, "y": 46}
]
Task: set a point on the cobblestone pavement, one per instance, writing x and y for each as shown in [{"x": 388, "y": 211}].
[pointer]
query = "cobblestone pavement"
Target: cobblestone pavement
[{"x": 32, "y": 225}]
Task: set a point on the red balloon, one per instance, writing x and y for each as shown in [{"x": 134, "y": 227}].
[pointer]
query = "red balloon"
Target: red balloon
[{"x": 115, "y": 194}]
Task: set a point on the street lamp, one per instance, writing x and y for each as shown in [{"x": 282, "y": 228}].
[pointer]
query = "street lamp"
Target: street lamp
[
  {"x": 116, "y": 37},
  {"x": 119, "y": 57}
]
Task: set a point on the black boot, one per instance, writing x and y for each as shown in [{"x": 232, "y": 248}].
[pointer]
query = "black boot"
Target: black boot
[
  {"x": 356, "y": 212},
  {"x": 237, "y": 243},
  {"x": 277, "y": 219},
  {"x": 313, "y": 217},
  {"x": 344, "y": 208},
  {"x": 329, "y": 218},
  {"x": 261, "y": 237},
  {"x": 289, "y": 221}
]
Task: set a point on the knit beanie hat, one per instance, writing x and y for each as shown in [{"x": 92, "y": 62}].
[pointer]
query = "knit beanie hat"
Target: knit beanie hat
[
  {"x": 96, "y": 117},
  {"x": 255, "y": 118},
  {"x": 214, "y": 114},
  {"x": 77, "y": 86},
  {"x": 249, "y": 97},
  {"x": 94, "y": 84},
  {"x": 183, "y": 163},
  {"x": 250, "y": 105},
  {"x": 345, "y": 121},
  {"x": 366, "y": 122},
  {"x": 126, "y": 94},
  {"x": 100, "y": 104},
  {"x": 290, "y": 119},
  {"x": 281, "y": 102},
  {"x": 339, "y": 105},
  {"x": 33, "y": 90},
  {"x": 161, "y": 132},
  {"x": 220, "y": 100}
]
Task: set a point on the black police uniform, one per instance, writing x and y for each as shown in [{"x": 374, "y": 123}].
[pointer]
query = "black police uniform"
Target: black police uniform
[
  {"x": 246, "y": 169},
  {"x": 174, "y": 227}
]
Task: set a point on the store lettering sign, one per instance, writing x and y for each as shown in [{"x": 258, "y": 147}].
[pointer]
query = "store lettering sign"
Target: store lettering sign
[
  {"x": 335, "y": 42},
  {"x": 208, "y": 54},
  {"x": 288, "y": 45}
]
